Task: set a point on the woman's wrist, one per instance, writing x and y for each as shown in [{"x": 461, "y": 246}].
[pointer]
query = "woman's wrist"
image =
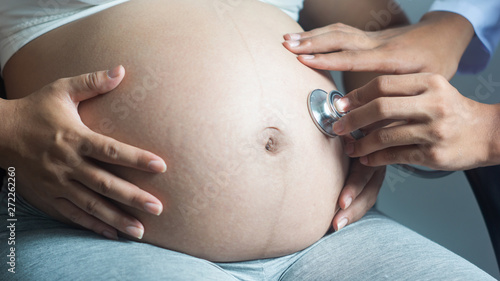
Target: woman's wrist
[{"x": 6, "y": 129}]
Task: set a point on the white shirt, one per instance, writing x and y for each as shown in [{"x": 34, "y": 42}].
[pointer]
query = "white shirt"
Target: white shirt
[
  {"x": 21, "y": 21},
  {"x": 290, "y": 7}
]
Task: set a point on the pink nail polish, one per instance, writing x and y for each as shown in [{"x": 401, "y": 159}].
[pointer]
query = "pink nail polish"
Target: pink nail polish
[
  {"x": 307, "y": 57},
  {"x": 348, "y": 202},
  {"x": 135, "y": 231},
  {"x": 153, "y": 208},
  {"x": 114, "y": 72},
  {"x": 342, "y": 223},
  {"x": 157, "y": 166}
]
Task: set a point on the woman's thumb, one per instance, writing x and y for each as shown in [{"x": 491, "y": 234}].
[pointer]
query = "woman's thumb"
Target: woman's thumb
[{"x": 89, "y": 85}]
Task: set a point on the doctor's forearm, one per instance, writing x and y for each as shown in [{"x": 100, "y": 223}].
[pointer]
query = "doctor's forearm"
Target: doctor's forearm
[
  {"x": 453, "y": 34},
  {"x": 492, "y": 121}
]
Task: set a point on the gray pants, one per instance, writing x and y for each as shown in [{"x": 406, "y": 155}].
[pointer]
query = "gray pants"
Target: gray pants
[{"x": 374, "y": 248}]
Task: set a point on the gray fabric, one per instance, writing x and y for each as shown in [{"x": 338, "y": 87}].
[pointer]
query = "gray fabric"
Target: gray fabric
[{"x": 375, "y": 248}]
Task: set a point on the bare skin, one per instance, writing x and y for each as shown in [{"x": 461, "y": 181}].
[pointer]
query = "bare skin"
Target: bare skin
[{"x": 250, "y": 176}]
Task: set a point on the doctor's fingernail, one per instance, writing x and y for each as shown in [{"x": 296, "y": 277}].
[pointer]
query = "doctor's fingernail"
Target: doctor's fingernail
[
  {"x": 157, "y": 166},
  {"x": 338, "y": 127},
  {"x": 135, "y": 231},
  {"x": 293, "y": 43},
  {"x": 114, "y": 72},
  {"x": 349, "y": 148},
  {"x": 341, "y": 223},
  {"x": 342, "y": 104},
  {"x": 153, "y": 208},
  {"x": 307, "y": 57},
  {"x": 294, "y": 36}
]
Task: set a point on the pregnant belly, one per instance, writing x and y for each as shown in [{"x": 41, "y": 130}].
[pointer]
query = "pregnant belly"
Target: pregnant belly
[{"x": 211, "y": 90}]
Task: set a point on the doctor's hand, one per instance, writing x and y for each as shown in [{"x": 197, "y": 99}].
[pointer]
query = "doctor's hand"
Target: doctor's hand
[
  {"x": 359, "y": 193},
  {"x": 55, "y": 156},
  {"x": 436, "y": 126},
  {"x": 435, "y": 44}
]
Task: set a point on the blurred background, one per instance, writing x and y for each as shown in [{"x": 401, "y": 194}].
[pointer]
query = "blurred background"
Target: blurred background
[{"x": 444, "y": 210}]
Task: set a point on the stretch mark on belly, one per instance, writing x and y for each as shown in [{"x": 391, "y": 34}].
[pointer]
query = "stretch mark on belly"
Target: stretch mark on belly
[{"x": 234, "y": 24}]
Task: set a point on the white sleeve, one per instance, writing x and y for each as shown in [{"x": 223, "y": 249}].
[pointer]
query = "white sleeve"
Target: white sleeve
[{"x": 484, "y": 15}]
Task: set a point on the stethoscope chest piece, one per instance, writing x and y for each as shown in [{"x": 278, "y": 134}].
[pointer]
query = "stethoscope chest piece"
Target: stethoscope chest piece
[
  {"x": 323, "y": 112},
  {"x": 322, "y": 109}
]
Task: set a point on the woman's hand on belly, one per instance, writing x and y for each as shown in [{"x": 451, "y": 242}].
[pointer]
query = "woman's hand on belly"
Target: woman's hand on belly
[
  {"x": 359, "y": 193},
  {"x": 54, "y": 154},
  {"x": 209, "y": 109}
]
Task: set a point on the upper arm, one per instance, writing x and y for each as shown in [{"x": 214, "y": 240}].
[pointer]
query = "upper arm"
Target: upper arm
[{"x": 363, "y": 14}]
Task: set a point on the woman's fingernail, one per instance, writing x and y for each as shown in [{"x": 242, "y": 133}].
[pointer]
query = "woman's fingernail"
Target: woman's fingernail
[
  {"x": 349, "y": 148},
  {"x": 134, "y": 231},
  {"x": 348, "y": 202},
  {"x": 364, "y": 160},
  {"x": 338, "y": 127},
  {"x": 341, "y": 223},
  {"x": 342, "y": 104},
  {"x": 110, "y": 235},
  {"x": 157, "y": 166},
  {"x": 293, "y": 43},
  {"x": 307, "y": 57},
  {"x": 153, "y": 208},
  {"x": 294, "y": 36},
  {"x": 114, "y": 72}
]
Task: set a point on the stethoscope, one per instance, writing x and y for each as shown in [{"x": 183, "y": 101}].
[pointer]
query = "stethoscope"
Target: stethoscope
[{"x": 324, "y": 113}]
